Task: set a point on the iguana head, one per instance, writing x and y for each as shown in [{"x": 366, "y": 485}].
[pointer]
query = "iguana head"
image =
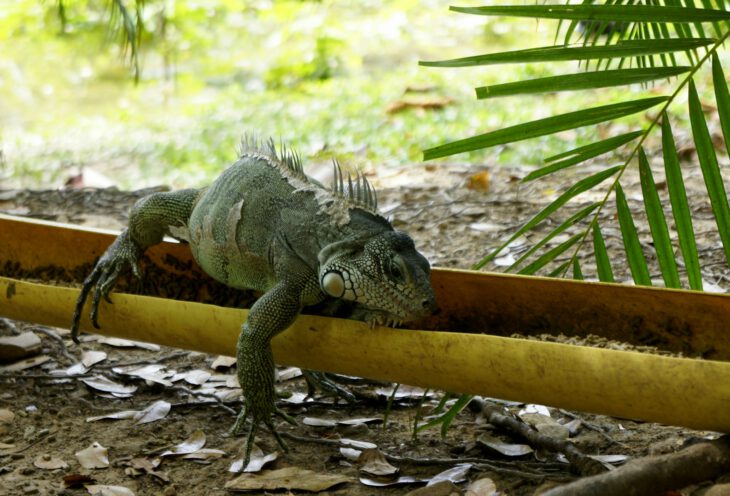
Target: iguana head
[{"x": 384, "y": 273}]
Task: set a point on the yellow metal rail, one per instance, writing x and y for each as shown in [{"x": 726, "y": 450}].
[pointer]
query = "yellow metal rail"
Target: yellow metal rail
[{"x": 681, "y": 391}]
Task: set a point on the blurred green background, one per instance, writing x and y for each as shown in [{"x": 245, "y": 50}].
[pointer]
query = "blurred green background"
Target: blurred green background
[{"x": 329, "y": 78}]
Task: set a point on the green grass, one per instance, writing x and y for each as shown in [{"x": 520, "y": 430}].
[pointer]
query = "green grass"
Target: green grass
[{"x": 317, "y": 75}]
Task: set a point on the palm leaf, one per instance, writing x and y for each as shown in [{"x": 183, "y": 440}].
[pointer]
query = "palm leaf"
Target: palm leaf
[
  {"x": 585, "y": 12},
  {"x": 680, "y": 207},
  {"x": 582, "y": 154},
  {"x": 542, "y": 127},
  {"x": 634, "y": 253},
  {"x": 551, "y": 255},
  {"x": 577, "y": 272},
  {"x": 603, "y": 264},
  {"x": 579, "y": 81},
  {"x": 644, "y": 48},
  {"x": 710, "y": 167},
  {"x": 574, "y": 219},
  {"x": 580, "y": 187},
  {"x": 633, "y": 48},
  {"x": 658, "y": 224}
]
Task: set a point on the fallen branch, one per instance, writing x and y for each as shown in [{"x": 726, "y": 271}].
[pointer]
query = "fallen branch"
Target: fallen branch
[
  {"x": 580, "y": 463},
  {"x": 657, "y": 474}
]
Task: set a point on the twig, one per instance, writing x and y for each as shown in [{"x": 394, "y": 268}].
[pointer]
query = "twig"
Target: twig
[
  {"x": 595, "y": 428},
  {"x": 58, "y": 339},
  {"x": 657, "y": 474},
  {"x": 166, "y": 358},
  {"x": 528, "y": 473},
  {"x": 39, "y": 375},
  {"x": 583, "y": 464},
  {"x": 42, "y": 435}
]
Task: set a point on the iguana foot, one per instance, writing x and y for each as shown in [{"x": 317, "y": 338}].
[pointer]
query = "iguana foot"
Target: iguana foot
[
  {"x": 121, "y": 254},
  {"x": 320, "y": 380},
  {"x": 239, "y": 427}
]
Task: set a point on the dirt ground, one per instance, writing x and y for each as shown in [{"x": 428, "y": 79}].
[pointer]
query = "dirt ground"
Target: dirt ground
[{"x": 44, "y": 412}]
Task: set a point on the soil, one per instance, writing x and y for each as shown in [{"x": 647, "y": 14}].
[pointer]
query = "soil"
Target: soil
[{"x": 455, "y": 214}]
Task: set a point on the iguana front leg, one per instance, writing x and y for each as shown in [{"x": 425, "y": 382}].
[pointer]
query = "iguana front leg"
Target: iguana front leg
[
  {"x": 270, "y": 315},
  {"x": 149, "y": 220}
]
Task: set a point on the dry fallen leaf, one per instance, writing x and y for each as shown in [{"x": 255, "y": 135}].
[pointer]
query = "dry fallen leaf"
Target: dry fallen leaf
[
  {"x": 609, "y": 458},
  {"x": 14, "y": 348},
  {"x": 354, "y": 443},
  {"x": 361, "y": 421},
  {"x": 102, "y": 490},
  {"x": 152, "y": 372},
  {"x": 257, "y": 462},
  {"x": 479, "y": 181},
  {"x": 91, "y": 358},
  {"x": 6, "y": 416},
  {"x": 319, "y": 422},
  {"x": 403, "y": 479},
  {"x": 124, "y": 414},
  {"x": 223, "y": 362},
  {"x": 482, "y": 487},
  {"x": 101, "y": 383},
  {"x": 534, "y": 408},
  {"x": 291, "y": 478},
  {"x": 95, "y": 456},
  {"x": 197, "y": 377},
  {"x": 25, "y": 364},
  {"x": 48, "y": 462},
  {"x": 288, "y": 374},
  {"x": 455, "y": 474},
  {"x": 403, "y": 392},
  {"x": 296, "y": 398},
  {"x": 140, "y": 465},
  {"x": 126, "y": 343},
  {"x": 5, "y": 446},
  {"x": 351, "y": 454},
  {"x": 507, "y": 449},
  {"x": 156, "y": 411},
  {"x": 192, "y": 444},
  {"x": 204, "y": 454},
  {"x": 373, "y": 462},
  {"x": 77, "y": 480}
]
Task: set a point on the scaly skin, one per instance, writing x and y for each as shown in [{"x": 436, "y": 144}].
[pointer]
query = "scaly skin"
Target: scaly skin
[{"x": 264, "y": 225}]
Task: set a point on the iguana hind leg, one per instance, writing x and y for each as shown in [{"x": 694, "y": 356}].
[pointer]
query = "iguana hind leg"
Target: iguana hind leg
[{"x": 149, "y": 220}]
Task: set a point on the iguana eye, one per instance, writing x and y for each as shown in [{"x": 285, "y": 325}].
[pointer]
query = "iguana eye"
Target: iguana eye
[{"x": 395, "y": 270}]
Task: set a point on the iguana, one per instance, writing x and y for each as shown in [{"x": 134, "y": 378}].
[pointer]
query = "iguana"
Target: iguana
[{"x": 265, "y": 225}]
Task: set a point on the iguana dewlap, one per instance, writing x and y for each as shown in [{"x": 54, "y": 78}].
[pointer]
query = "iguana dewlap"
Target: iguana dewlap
[{"x": 264, "y": 225}]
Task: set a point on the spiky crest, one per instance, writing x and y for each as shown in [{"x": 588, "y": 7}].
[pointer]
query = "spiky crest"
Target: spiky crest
[
  {"x": 355, "y": 192},
  {"x": 251, "y": 145}
]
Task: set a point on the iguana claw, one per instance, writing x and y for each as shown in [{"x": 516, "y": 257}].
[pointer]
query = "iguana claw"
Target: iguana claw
[
  {"x": 121, "y": 254},
  {"x": 238, "y": 427}
]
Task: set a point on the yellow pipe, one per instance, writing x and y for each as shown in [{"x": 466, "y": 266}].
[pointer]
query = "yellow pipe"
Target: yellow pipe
[
  {"x": 694, "y": 323},
  {"x": 691, "y": 393}
]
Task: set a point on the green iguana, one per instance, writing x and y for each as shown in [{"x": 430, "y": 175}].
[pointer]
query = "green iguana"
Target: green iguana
[{"x": 265, "y": 225}]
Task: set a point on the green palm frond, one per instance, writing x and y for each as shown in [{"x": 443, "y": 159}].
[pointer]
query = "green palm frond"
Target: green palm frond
[{"x": 618, "y": 43}]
